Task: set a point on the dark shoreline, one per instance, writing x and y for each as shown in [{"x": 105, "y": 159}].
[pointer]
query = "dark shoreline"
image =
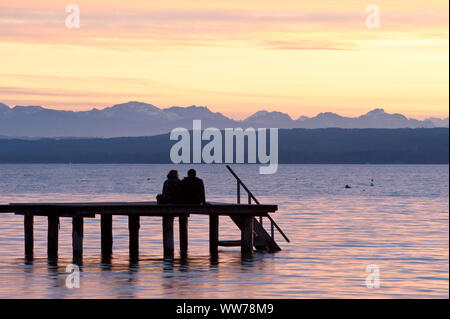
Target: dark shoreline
[{"x": 296, "y": 146}]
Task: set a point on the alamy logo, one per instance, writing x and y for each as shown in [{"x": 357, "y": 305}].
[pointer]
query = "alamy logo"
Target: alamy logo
[
  {"x": 213, "y": 151},
  {"x": 73, "y": 279},
  {"x": 373, "y": 279},
  {"x": 373, "y": 19},
  {"x": 73, "y": 19}
]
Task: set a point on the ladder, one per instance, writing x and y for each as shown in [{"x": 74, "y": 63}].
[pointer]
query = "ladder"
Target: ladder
[{"x": 261, "y": 238}]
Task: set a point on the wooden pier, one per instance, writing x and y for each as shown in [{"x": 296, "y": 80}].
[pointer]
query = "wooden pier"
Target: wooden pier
[
  {"x": 242, "y": 214},
  {"x": 253, "y": 233}
]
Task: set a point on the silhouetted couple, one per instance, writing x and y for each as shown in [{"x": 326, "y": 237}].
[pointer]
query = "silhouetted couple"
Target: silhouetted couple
[{"x": 190, "y": 190}]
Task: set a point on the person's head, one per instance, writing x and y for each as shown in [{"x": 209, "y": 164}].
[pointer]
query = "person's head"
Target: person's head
[
  {"x": 172, "y": 174},
  {"x": 192, "y": 173}
]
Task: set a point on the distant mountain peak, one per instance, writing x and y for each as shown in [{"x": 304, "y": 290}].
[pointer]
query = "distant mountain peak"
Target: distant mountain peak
[
  {"x": 190, "y": 107},
  {"x": 34, "y": 107},
  {"x": 263, "y": 114},
  {"x": 198, "y": 107},
  {"x": 379, "y": 113},
  {"x": 328, "y": 115},
  {"x": 376, "y": 111},
  {"x": 302, "y": 118},
  {"x": 131, "y": 109},
  {"x": 134, "y": 105},
  {"x": 178, "y": 113},
  {"x": 437, "y": 122}
]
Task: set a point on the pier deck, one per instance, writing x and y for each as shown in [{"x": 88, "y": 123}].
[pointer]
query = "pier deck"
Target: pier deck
[{"x": 242, "y": 214}]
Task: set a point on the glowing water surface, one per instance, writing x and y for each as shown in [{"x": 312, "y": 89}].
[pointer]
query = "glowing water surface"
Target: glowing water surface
[{"x": 400, "y": 224}]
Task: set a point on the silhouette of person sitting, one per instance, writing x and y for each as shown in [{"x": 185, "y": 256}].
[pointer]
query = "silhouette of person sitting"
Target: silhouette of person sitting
[
  {"x": 193, "y": 189},
  {"x": 172, "y": 192}
]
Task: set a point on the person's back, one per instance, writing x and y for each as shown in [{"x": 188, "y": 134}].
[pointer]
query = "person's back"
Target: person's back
[
  {"x": 193, "y": 189},
  {"x": 172, "y": 192}
]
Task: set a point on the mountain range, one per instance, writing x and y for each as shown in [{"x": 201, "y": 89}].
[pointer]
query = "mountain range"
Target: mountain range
[{"x": 142, "y": 119}]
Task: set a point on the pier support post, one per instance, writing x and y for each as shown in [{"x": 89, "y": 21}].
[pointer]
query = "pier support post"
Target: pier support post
[
  {"x": 133, "y": 228},
  {"x": 167, "y": 225},
  {"x": 28, "y": 234},
  {"x": 183, "y": 224},
  {"x": 213, "y": 234},
  {"x": 52, "y": 237},
  {"x": 247, "y": 236},
  {"x": 77, "y": 239},
  {"x": 106, "y": 237}
]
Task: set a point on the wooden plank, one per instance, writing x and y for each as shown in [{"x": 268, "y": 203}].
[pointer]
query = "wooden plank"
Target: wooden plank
[
  {"x": 52, "y": 237},
  {"x": 106, "y": 237},
  {"x": 238, "y": 192},
  {"x": 126, "y": 204},
  {"x": 247, "y": 235},
  {"x": 230, "y": 243},
  {"x": 183, "y": 227},
  {"x": 142, "y": 208},
  {"x": 213, "y": 234},
  {"x": 133, "y": 228},
  {"x": 168, "y": 243},
  {"x": 29, "y": 236},
  {"x": 77, "y": 239},
  {"x": 5, "y": 209}
]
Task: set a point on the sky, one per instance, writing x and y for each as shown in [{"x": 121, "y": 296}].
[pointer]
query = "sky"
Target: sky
[{"x": 236, "y": 57}]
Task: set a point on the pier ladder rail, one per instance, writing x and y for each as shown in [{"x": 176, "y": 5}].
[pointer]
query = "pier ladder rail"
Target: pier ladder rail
[{"x": 262, "y": 239}]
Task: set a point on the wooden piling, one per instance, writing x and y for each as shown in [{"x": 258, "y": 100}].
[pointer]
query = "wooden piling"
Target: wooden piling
[
  {"x": 77, "y": 239},
  {"x": 168, "y": 243},
  {"x": 213, "y": 234},
  {"x": 133, "y": 228},
  {"x": 52, "y": 237},
  {"x": 106, "y": 237},
  {"x": 183, "y": 225},
  {"x": 29, "y": 241},
  {"x": 247, "y": 236}
]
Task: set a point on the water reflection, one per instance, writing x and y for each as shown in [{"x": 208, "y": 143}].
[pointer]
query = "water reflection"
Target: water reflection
[{"x": 52, "y": 262}]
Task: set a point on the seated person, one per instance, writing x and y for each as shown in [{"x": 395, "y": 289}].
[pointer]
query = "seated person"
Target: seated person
[
  {"x": 193, "y": 189},
  {"x": 172, "y": 192}
]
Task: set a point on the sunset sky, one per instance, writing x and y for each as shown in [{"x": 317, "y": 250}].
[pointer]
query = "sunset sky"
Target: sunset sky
[{"x": 236, "y": 57}]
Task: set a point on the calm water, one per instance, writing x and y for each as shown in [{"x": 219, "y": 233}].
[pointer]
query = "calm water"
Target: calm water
[{"x": 400, "y": 224}]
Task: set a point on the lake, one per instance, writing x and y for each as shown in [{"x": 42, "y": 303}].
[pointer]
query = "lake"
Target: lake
[{"x": 400, "y": 225}]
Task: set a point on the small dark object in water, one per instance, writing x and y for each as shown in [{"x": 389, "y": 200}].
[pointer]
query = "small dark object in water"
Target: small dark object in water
[
  {"x": 371, "y": 184},
  {"x": 347, "y": 186}
]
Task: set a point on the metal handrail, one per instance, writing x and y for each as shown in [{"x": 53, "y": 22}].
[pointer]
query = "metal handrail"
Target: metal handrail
[{"x": 250, "y": 197}]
